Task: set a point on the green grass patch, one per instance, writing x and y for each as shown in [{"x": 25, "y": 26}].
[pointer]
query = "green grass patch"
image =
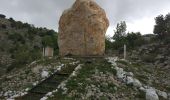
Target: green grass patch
[
  {"x": 123, "y": 62},
  {"x": 149, "y": 58},
  {"x": 83, "y": 79},
  {"x": 141, "y": 95}
]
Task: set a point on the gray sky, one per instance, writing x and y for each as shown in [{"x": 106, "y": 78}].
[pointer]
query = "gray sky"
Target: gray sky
[{"x": 138, "y": 14}]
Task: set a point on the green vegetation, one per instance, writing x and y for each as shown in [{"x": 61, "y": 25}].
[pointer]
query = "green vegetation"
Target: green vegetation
[
  {"x": 162, "y": 27},
  {"x": 141, "y": 95},
  {"x": 84, "y": 79},
  {"x": 148, "y": 58},
  {"x": 168, "y": 88},
  {"x": 23, "y": 43},
  {"x": 132, "y": 39},
  {"x": 2, "y": 16},
  {"x": 135, "y": 39},
  {"x": 123, "y": 62},
  {"x": 120, "y": 31}
]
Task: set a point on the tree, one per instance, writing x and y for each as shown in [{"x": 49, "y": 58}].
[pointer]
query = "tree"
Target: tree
[
  {"x": 11, "y": 19},
  {"x": 120, "y": 30},
  {"x": 108, "y": 43},
  {"x": 2, "y": 16},
  {"x": 134, "y": 39},
  {"x": 167, "y": 22},
  {"x": 160, "y": 27}
]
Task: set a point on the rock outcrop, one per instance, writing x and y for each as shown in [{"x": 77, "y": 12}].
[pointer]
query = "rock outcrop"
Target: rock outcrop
[{"x": 82, "y": 30}]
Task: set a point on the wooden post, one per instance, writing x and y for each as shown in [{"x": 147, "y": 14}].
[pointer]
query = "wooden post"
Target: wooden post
[
  {"x": 43, "y": 52},
  {"x": 124, "y": 51}
]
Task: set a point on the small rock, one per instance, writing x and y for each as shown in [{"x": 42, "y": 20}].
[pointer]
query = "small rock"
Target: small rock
[
  {"x": 142, "y": 89},
  {"x": 27, "y": 89},
  {"x": 10, "y": 99},
  {"x": 120, "y": 73},
  {"x": 89, "y": 93},
  {"x": 115, "y": 88},
  {"x": 37, "y": 69},
  {"x": 169, "y": 96},
  {"x": 34, "y": 84},
  {"x": 162, "y": 94},
  {"x": 44, "y": 74},
  {"x": 151, "y": 94},
  {"x": 49, "y": 93},
  {"x": 130, "y": 74},
  {"x": 129, "y": 80},
  {"x": 137, "y": 83},
  {"x": 44, "y": 98}
]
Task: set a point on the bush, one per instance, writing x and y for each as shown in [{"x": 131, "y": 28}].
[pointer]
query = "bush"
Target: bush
[
  {"x": 118, "y": 44},
  {"x": 23, "y": 56},
  {"x": 132, "y": 40},
  {"x": 108, "y": 43},
  {"x": 2, "y": 16},
  {"x": 16, "y": 37},
  {"x": 11, "y": 20},
  {"x": 167, "y": 40},
  {"x": 4, "y": 26},
  {"x": 148, "y": 58},
  {"x": 162, "y": 27}
]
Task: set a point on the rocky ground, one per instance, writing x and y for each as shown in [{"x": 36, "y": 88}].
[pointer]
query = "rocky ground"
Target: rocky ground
[
  {"x": 18, "y": 82},
  {"x": 151, "y": 64},
  {"x": 97, "y": 80},
  {"x": 94, "y": 78}
]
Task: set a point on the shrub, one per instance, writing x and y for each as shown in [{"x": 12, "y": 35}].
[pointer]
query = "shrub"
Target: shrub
[
  {"x": 108, "y": 43},
  {"x": 2, "y": 16},
  {"x": 148, "y": 58},
  {"x": 16, "y": 37},
  {"x": 4, "y": 26},
  {"x": 167, "y": 40}
]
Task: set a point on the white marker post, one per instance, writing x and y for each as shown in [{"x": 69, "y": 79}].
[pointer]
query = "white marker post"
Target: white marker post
[{"x": 125, "y": 51}]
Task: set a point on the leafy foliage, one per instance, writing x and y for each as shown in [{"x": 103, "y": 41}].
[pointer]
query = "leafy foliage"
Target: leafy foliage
[
  {"x": 120, "y": 30},
  {"x": 2, "y": 16},
  {"x": 24, "y": 42},
  {"x": 162, "y": 27},
  {"x": 120, "y": 37},
  {"x": 132, "y": 40},
  {"x": 108, "y": 43}
]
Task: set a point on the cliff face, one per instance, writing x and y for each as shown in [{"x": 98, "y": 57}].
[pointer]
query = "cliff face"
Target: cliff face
[{"x": 82, "y": 29}]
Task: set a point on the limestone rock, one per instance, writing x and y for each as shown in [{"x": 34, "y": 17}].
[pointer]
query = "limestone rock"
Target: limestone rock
[
  {"x": 82, "y": 29},
  {"x": 151, "y": 95},
  {"x": 44, "y": 74},
  {"x": 162, "y": 94},
  {"x": 129, "y": 80},
  {"x": 137, "y": 83}
]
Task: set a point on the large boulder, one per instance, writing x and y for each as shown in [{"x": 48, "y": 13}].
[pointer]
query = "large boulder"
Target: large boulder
[{"x": 82, "y": 29}]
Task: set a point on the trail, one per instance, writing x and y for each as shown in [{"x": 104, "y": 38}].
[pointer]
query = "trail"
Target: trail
[{"x": 49, "y": 84}]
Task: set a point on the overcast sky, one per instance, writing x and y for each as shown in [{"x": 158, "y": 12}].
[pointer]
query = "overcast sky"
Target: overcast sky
[{"x": 138, "y": 14}]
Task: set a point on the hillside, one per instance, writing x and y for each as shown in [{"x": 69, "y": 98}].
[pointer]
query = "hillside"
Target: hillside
[
  {"x": 26, "y": 75},
  {"x": 153, "y": 64},
  {"x": 83, "y": 78},
  {"x": 22, "y": 43}
]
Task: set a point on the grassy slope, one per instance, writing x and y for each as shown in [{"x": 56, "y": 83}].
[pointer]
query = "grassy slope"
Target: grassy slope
[
  {"x": 22, "y": 43},
  {"x": 96, "y": 80}
]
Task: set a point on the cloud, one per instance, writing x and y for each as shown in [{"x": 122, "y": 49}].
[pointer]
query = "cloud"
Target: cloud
[{"x": 46, "y": 13}]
